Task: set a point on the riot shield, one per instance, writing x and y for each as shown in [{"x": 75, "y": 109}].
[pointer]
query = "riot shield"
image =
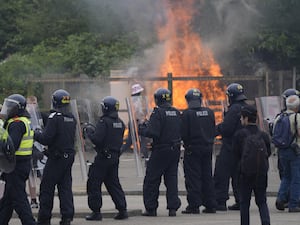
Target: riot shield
[
  {"x": 7, "y": 152},
  {"x": 36, "y": 123},
  {"x": 133, "y": 126},
  {"x": 268, "y": 107},
  {"x": 79, "y": 142}
]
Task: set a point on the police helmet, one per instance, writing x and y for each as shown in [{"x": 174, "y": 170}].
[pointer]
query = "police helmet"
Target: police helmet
[
  {"x": 109, "y": 104},
  {"x": 136, "y": 89},
  {"x": 60, "y": 98},
  {"x": 13, "y": 105},
  {"x": 289, "y": 92},
  {"x": 235, "y": 92},
  {"x": 162, "y": 96},
  {"x": 193, "y": 97}
]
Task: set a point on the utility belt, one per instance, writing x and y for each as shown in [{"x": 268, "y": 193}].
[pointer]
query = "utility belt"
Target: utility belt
[
  {"x": 58, "y": 154},
  {"x": 174, "y": 145},
  {"x": 107, "y": 153},
  {"x": 188, "y": 148}
]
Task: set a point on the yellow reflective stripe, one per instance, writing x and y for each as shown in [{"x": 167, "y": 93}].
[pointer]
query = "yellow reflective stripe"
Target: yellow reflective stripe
[
  {"x": 27, "y": 139},
  {"x": 23, "y": 152}
]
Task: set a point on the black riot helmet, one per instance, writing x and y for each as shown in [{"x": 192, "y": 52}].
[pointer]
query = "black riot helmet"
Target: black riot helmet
[
  {"x": 14, "y": 105},
  {"x": 162, "y": 96},
  {"x": 235, "y": 92},
  {"x": 194, "y": 98},
  {"x": 288, "y": 92},
  {"x": 60, "y": 98},
  {"x": 109, "y": 104}
]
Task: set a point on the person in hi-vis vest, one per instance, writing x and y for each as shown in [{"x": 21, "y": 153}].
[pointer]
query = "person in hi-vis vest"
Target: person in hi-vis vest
[{"x": 17, "y": 124}]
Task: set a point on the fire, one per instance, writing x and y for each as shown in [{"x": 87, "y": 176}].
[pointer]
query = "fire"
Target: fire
[{"x": 184, "y": 54}]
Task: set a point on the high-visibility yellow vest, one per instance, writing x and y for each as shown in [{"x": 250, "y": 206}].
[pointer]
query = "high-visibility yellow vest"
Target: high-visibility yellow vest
[{"x": 27, "y": 139}]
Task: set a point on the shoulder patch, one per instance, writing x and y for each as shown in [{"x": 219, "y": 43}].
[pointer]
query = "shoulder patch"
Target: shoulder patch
[{"x": 51, "y": 115}]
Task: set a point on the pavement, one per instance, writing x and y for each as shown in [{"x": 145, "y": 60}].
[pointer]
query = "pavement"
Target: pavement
[{"x": 132, "y": 182}]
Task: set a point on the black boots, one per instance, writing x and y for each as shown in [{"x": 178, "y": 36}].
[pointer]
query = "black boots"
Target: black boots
[
  {"x": 235, "y": 206},
  {"x": 65, "y": 221},
  {"x": 189, "y": 210},
  {"x": 149, "y": 213},
  {"x": 43, "y": 222},
  {"x": 122, "y": 215},
  {"x": 172, "y": 212},
  {"x": 94, "y": 216}
]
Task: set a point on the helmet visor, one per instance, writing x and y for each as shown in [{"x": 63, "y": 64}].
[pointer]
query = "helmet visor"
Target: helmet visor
[{"x": 9, "y": 108}]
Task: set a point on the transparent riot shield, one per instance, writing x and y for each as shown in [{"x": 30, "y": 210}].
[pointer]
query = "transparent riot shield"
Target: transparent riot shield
[
  {"x": 133, "y": 126},
  {"x": 38, "y": 163},
  {"x": 79, "y": 142},
  {"x": 268, "y": 107}
]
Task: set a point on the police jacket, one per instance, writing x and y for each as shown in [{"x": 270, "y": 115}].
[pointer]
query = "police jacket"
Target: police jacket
[
  {"x": 164, "y": 126},
  {"x": 108, "y": 133},
  {"x": 21, "y": 134},
  {"x": 59, "y": 133},
  {"x": 198, "y": 126},
  {"x": 231, "y": 122}
]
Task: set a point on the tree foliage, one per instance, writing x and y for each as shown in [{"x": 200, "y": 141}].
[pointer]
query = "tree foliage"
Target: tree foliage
[{"x": 90, "y": 37}]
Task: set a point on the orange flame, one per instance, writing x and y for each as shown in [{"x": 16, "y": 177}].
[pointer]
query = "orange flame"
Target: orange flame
[{"x": 184, "y": 54}]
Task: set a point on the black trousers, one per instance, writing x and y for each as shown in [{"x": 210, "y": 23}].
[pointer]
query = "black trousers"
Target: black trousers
[
  {"x": 198, "y": 177},
  {"x": 105, "y": 170},
  {"x": 226, "y": 169},
  {"x": 259, "y": 186},
  {"x": 15, "y": 196},
  {"x": 162, "y": 162},
  {"x": 57, "y": 173}
]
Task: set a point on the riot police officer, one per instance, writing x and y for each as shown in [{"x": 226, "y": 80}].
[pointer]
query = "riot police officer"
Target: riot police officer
[
  {"x": 107, "y": 137},
  {"x": 198, "y": 133},
  {"x": 17, "y": 124},
  {"x": 164, "y": 127},
  {"x": 59, "y": 136},
  {"x": 225, "y": 167}
]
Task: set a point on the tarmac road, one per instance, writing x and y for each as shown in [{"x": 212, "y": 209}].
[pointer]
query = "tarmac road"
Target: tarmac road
[{"x": 132, "y": 185}]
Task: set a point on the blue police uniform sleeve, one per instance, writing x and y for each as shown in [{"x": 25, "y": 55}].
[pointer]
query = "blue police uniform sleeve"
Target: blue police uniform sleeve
[
  {"x": 47, "y": 135},
  {"x": 231, "y": 122},
  {"x": 152, "y": 129},
  {"x": 98, "y": 136}
]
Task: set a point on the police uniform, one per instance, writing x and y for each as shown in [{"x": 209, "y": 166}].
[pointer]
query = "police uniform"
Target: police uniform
[
  {"x": 225, "y": 167},
  {"x": 15, "y": 196},
  {"x": 107, "y": 138},
  {"x": 198, "y": 132},
  {"x": 164, "y": 127},
  {"x": 226, "y": 161},
  {"x": 59, "y": 136}
]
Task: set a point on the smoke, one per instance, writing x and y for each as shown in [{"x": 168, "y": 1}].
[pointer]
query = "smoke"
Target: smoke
[
  {"x": 220, "y": 24},
  {"x": 236, "y": 20}
]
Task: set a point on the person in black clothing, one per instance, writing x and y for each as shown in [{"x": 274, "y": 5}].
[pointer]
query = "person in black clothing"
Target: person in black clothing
[
  {"x": 225, "y": 162},
  {"x": 198, "y": 133},
  {"x": 107, "y": 137},
  {"x": 164, "y": 126},
  {"x": 257, "y": 182},
  {"x": 17, "y": 124},
  {"x": 59, "y": 136}
]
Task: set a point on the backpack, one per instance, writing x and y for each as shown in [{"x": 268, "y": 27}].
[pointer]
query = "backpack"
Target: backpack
[
  {"x": 254, "y": 159},
  {"x": 282, "y": 134}
]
